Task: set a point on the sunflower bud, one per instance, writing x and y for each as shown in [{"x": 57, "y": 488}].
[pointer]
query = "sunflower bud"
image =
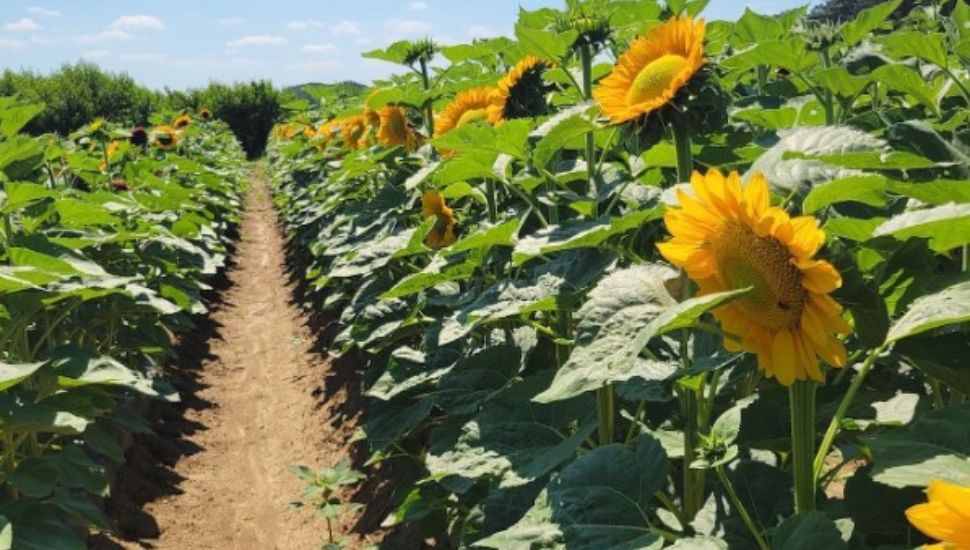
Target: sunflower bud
[
  {"x": 590, "y": 21},
  {"x": 420, "y": 50}
]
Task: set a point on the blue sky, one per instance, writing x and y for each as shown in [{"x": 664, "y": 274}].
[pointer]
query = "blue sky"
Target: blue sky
[{"x": 187, "y": 43}]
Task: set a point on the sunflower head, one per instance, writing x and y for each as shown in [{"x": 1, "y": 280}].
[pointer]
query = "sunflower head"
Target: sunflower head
[
  {"x": 394, "y": 129},
  {"x": 443, "y": 232},
  {"x": 651, "y": 72},
  {"x": 309, "y": 131},
  {"x": 139, "y": 137},
  {"x": 182, "y": 121},
  {"x": 946, "y": 515},
  {"x": 95, "y": 126},
  {"x": 521, "y": 92},
  {"x": 205, "y": 114},
  {"x": 470, "y": 105},
  {"x": 729, "y": 237},
  {"x": 354, "y": 131},
  {"x": 420, "y": 50},
  {"x": 165, "y": 137}
]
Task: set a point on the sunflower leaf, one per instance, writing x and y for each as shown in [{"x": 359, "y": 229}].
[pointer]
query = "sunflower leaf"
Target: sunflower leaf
[{"x": 946, "y": 307}]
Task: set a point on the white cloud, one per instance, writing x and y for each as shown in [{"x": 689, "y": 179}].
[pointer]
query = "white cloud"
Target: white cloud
[
  {"x": 304, "y": 25},
  {"x": 144, "y": 57},
  {"x": 408, "y": 26},
  {"x": 230, "y": 21},
  {"x": 110, "y": 35},
  {"x": 346, "y": 28},
  {"x": 480, "y": 31},
  {"x": 96, "y": 54},
  {"x": 137, "y": 22},
  {"x": 256, "y": 40},
  {"x": 43, "y": 12},
  {"x": 21, "y": 25},
  {"x": 11, "y": 44},
  {"x": 320, "y": 48},
  {"x": 418, "y": 6}
]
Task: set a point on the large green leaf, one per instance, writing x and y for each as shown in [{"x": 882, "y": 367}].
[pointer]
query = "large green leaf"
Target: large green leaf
[
  {"x": 948, "y": 306},
  {"x": 11, "y": 375},
  {"x": 536, "y": 530},
  {"x": 902, "y": 78},
  {"x": 866, "y": 21},
  {"x": 946, "y": 226},
  {"x": 810, "y": 531},
  {"x": 865, "y": 189}
]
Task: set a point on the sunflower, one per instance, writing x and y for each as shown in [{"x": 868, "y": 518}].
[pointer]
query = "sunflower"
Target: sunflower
[
  {"x": 946, "y": 517},
  {"x": 652, "y": 71},
  {"x": 727, "y": 237},
  {"x": 182, "y": 121},
  {"x": 109, "y": 155},
  {"x": 521, "y": 92},
  {"x": 354, "y": 131},
  {"x": 309, "y": 131},
  {"x": 470, "y": 105},
  {"x": 205, "y": 114},
  {"x": 443, "y": 232},
  {"x": 165, "y": 137},
  {"x": 394, "y": 129},
  {"x": 139, "y": 137}
]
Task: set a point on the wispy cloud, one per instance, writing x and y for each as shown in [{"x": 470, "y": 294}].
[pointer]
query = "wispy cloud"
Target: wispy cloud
[
  {"x": 110, "y": 35},
  {"x": 137, "y": 23},
  {"x": 230, "y": 21},
  {"x": 418, "y": 6},
  {"x": 11, "y": 44},
  {"x": 256, "y": 40},
  {"x": 43, "y": 12},
  {"x": 409, "y": 26},
  {"x": 21, "y": 25},
  {"x": 319, "y": 48},
  {"x": 346, "y": 28},
  {"x": 304, "y": 25}
]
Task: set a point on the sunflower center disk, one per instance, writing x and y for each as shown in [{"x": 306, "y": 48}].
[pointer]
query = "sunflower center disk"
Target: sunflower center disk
[
  {"x": 744, "y": 259},
  {"x": 472, "y": 115},
  {"x": 656, "y": 77}
]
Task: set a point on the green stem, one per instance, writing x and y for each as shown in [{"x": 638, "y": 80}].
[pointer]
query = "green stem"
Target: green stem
[
  {"x": 739, "y": 507},
  {"x": 428, "y": 112},
  {"x": 685, "y": 159},
  {"x": 490, "y": 199},
  {"x": 586, "y": 57},
  {"x": 605, "y": 413},
  {"x": 801, "y": 396},
  {"x": 694, "y": 479},
  {"x": 836, "y": 422}
]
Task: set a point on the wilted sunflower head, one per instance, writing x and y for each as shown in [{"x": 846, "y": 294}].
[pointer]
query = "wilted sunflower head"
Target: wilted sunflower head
[
  {"x": 182, "y": 121},
  {"x": 521, "y": 92},
  {"x": 728, "y": 237},
  {"x": 354, "y": 131},
  {"x": 651, "y": 72},
  {"x": 443, "y": 232},
  {"x": 394, "y": 129},
  {"x": 139, "y": 137},
  {"x": 205, "y": 114},
  {"x": 468, "y": 106},
  {"x": 165, "y": 137},
  {"x": 420, "y": 50}
]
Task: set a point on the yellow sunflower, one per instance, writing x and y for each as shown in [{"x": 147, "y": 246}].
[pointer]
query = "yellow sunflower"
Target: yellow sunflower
[
  {"x": 110, "y": 154},
  {"x": 651, "y": 72},
  {"x": 165, "y": 137},
  {"x": 182, "y": 121},
  {"x": 946, "y": 517},
  {"x": 354, "y": 131},
  {"x": 727, "y": 237},
  {"x": 443, "y": 232},
  {"x": 309, "y": 131},
  {"x": 470, "y": 105},
  {"x": 524, "y": 73},
  {"x": 394, "y": 129}
]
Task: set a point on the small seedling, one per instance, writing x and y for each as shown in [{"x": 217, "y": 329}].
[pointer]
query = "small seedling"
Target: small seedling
[{"x": 321, "y": 493}]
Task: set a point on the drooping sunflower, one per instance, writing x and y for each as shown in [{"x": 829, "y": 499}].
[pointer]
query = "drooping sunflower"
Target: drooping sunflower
[
  {"x": 394, "y": 129},
  {"x": 354, "y": 131},
  {"x": 945, "y": 517},
  {"x": 727, "y": 237},
  {"x": 205, "y": 114},
  {"x": 521, "y": 92},
  {"x": 443, "y": 232},
  {"x": 165, "y": 137},
  {"x": 182, "y": 121},
  {"x": 653, "y": 70},
  {"x": 139, "y": 137},
  {"x": 470, "y": 105}
]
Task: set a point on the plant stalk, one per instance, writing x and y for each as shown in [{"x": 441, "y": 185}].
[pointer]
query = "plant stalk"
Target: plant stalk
[
  {"x": 605, "y": 413},
  {"x": 739, "y": 507},
  {"x": 802, "y": 403},
  {"x": 428, "y": 112},
  {"x": 586, "y": 58}
]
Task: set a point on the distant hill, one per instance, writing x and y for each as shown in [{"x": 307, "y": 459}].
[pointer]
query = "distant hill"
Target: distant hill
[{"x": 314, "y": 92}]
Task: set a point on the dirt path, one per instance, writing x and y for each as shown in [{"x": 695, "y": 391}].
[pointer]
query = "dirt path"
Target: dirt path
[{"x": 261, "y": 414}]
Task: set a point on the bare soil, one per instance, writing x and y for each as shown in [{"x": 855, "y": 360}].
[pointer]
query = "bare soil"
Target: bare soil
[{"x": 253, "y": 402}]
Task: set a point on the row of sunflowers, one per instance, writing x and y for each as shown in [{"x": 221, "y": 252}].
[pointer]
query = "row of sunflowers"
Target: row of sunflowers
[
  {"x": 109, "y": 239},
  {"x": 636, "y": 280}
]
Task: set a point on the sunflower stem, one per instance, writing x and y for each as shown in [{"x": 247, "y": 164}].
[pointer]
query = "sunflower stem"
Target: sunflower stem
[
  {"x": 685, "y": 159},
  {"x": 428, "y": 113},
  {"x": 490, "y": 199},
  {"x": 604, "y": 411},
  {"x": 586, "y": 58},
  {"x": 739, "y": 507},
  {"x": 801, "y": 396},
  {"x": 836, "y": 422},
  {"x": 694, "y": 479}
]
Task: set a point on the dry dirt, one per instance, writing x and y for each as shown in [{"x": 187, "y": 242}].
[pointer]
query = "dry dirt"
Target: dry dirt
[{"x": 252, "y": 408}]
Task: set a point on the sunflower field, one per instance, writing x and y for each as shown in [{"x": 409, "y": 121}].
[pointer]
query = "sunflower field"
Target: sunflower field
[
  {"x": 110, "y": 237},
  {"x": 634, "y": 279}
]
